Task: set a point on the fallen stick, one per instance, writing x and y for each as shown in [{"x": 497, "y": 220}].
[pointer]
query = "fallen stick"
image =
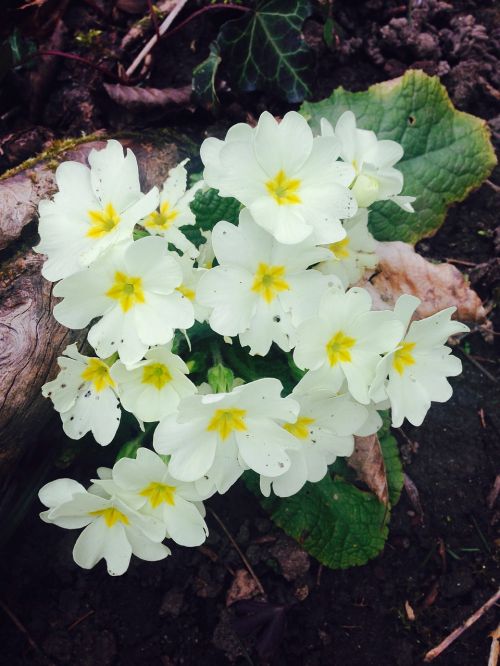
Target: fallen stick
[
  {"x": 435, "y": 652},
  {"x": 495, "y": 647}
]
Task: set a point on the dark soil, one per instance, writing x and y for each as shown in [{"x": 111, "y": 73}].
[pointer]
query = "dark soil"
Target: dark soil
[{"x": 440, "y": 566}]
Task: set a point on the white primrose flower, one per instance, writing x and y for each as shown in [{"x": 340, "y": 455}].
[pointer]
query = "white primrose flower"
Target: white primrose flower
[
  {"x": 153, "y": 491},
  {"x": 94, "y": 209},
  {"x": 113, "y": 531},
  {"x": 191, "y": 276},
  {"x": 324, "y": 430},
  {"x": 353, "y": 255},
  {"x": 206, "y": 255},
  {"x": 376, "y": 179},
  {"x": 134, "y": 288},
  {"x": 153, "y": 388},
  {"x": 175, "y": 211},
  {"x": 345, "y": 341},
  {"x": 288, "y": 179},
  {"x": 414, "y": 375},
  {"x": 85, "y": 395},
  {"x": 237, "y": 426},
  {"x": 261, "y": 289}
]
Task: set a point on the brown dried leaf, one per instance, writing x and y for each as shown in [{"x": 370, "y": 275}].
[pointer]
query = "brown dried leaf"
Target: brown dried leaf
[
  {"x": 242, "y": 587},
  {"x": 439, "y": 286},
  {"x": 368, "y": 462},
  {"x": 143, "y": 99}
]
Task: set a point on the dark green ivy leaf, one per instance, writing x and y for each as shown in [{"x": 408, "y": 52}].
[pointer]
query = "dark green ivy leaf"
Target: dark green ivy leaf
[
  {"x": 204, "y": 79},
  {"x": 265, "y": 49}
]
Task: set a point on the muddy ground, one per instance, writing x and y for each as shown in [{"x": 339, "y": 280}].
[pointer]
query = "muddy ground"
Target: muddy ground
[{"x": 438, "y": 567}]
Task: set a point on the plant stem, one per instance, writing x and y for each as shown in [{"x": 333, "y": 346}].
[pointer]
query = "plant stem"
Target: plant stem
[{"x": 72, "y": 56}]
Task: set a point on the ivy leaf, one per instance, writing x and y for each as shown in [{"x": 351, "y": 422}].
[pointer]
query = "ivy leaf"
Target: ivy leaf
[
  {"x": 447, "y": 154},
  {"x": 204, "y": 79},
  {"x": 209, "y": 208},
  {"x": 265, "y": 49},
  {"x": 334, "y": 521}
]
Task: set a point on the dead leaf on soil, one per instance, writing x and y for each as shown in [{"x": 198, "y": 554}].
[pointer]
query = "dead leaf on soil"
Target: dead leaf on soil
[
  {"x": 144, "y": 99},
  {"x": 368, "y": 462},
  {"x": 439, "y": 286},
  {"x": 242, "y": 587}
]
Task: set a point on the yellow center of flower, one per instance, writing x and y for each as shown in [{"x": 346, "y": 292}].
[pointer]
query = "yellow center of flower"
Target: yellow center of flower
[
  {"x": 337, "y": 348},
  {"x": 127, "y": 290},
  {"x": 268, "y": 281},
  {"x": 300, "y": 427},
  {"x": 284, "y": 190},
  {"x": 111, "y": 516},
  {"x": 186, "y": 291},
  {"x": 224, "y": 421},
  {"x": 163, "y": 219},
  {"x": 102, "y": 221},
  {"x": 403, "y": 357},
  {"x": 339, "y": 248},
  {"x": 97, "y": 372},
  {"x": 156, "y": 374},
  {"x": 157, "y": 493}
]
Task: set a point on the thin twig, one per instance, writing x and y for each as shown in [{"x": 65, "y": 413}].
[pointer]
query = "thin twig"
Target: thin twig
[
  {"x": 207, "y": 8},
  {"x": 20, "y": 626},
  {"x": 495, "y": 647},
  {"x": 435, "y": 652},
  {"x": 240, "y": 553},
  {"x": 494, "y": 186},
  {"x": 154, "y": 19},
  {"x": 479, "y": 366},
  {"x": 80, "y": 619},
  {"x": 84, "y": 61},
  {"x": 154, "y": 39},
  {"x": 462, "y": 262}
]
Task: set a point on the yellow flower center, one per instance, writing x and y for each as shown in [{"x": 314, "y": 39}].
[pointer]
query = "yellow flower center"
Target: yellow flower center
[
  {"x": 300, "y": 427},
  {"x": 339, "y": 248},
  {"x": 284, "y": 190},
  {"x": 111, "y": 516},
  {"x": 97, "y": 372},
  {"x": 156, "y": 374},
  {"x": 268, "y": 281},
  {"x": 186, "y": 291},
  {"x": 102, "y": 221},
  {"x": 337, "y": 348},
  {"x": 163, "y": 219},
  {"x": 224, "y": 421},
  {"x": 403, "y": 357},
  {"x": 127, "y": 290},
  {"x": 157, "y": 493}
]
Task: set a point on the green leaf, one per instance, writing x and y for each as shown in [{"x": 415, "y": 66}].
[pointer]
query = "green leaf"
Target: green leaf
[
  {"x": 448, "y": 153},
  {"x": 204, "y": 79},
  {"x": 334, "y": 521},
  {"x": 265, "y": 49},
  {"x": 393, "y": 466},
  {"x": 209, "y": 208}
]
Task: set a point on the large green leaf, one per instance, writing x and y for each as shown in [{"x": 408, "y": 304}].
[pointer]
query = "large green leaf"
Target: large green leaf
[
  {"x": 209, "y": 208},
  {"x": 334, "y": 521},
  {"x": 448, "y": 153},
  {"x": 265, "y": 49}
]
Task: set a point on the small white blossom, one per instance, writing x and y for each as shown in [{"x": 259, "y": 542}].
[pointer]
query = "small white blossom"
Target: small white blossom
[
  {"x": 206, "y": 256},
  {"x": 288, "y": 179},
  {"x": 85, "y": 395},
  {"x": 191, "y": 276},
  {"x": 414, "y": 375},
  {"x": 148, "y": 485},
  {"x": 345, "y": 341},
  {"x": 261, "y": 289},
  {"x": 134, "y": 288},
  {"x": 94, "y": 209},
  {"x": 113, "y": 531},
  {"x": 175, "y": 211},
  {"x": 240, "y": 426},
  {"x": 324, "y": 430},
  {"x": 376, "y": 179},
  {"x": 353, "y": 255},
  {"x": 151, "y": 389}
]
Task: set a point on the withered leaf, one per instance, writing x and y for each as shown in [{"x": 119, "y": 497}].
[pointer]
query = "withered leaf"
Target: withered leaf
[
  {"x": 368, "y": 461},
  {"x": 143, "y": 99},
  {"x": 439, "y": 286}
]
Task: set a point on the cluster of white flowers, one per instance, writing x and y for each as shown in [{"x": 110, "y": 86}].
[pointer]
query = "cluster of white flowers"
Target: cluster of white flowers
[{"x": 284, "y": 274}]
